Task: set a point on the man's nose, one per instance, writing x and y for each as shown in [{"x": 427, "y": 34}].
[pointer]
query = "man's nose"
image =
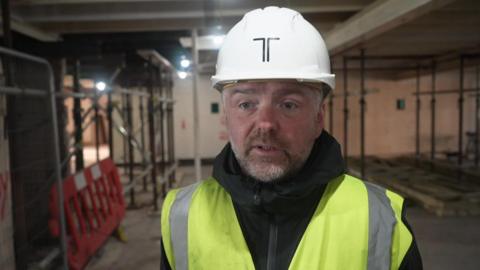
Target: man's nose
[{"x": 267, "y": 119}]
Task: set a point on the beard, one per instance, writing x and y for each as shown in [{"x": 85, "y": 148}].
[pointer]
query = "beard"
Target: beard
[{"x": 265, "y": 168}]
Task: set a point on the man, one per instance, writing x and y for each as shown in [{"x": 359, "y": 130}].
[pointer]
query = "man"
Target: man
[{"x": 279, "y": 197}]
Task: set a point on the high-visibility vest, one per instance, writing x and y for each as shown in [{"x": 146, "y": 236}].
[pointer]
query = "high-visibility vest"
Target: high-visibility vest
[{"x": 357, "y": 225}]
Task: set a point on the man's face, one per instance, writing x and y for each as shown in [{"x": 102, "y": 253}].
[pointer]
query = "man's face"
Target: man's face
[{"x": 272, "y": 126}]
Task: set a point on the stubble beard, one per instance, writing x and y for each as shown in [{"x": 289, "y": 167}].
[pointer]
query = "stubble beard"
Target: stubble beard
[{"x": 265, "y": 169}]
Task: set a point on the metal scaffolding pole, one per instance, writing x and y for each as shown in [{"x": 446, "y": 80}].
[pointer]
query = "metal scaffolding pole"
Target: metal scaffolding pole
[
  {"x": 345, "y": 110},
  {"x": 449, "y": 91},
  {"x": 131, "y": 160},
  {"x": 171, "y": 148},
  {"x": 460, "y": 113},
  {"x": 196, "y": 120},
  {"x": 477, "y": 115},
  {"x": 58, "y": 170},
  {"x": 7, "y": 40},
  {"x": 77, "y": 118},
  {"x": 124, "y": 137},
  {"x": 162, "y": 129},
  {"x": 432, "y": 108},
  {"x": 97, "y": 127},
  {"x": 56, "y": 150},
  {"x": 362, "y": 114},
  {"x": 110, "y": 125},
  {"x": 151, "y": 131},
  {"x": 59, "y": 68},
  {"x": 142, "y": 138},
  {"x": 417, "y": 119},
  {"x": 392, "y": 57},
  {"x": 373, "y": 69},
  {"x": 22, "y": 91}
]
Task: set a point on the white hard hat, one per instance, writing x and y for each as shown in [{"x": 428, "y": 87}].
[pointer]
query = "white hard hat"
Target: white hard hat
[{"x": 273, "y": 43}]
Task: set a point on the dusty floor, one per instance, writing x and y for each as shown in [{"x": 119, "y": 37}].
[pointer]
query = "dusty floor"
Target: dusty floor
[
  {"x": 445, "y": 243},
  {"x": 142, "y": 229}
]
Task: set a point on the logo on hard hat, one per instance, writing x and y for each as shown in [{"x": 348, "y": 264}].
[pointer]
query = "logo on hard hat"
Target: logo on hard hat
[{"x": 266, "y": 53}]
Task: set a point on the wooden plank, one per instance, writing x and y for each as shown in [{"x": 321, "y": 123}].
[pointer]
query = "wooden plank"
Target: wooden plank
[
  {"x": 436, "y": 193},
  {"x": 448, "y": 174}
]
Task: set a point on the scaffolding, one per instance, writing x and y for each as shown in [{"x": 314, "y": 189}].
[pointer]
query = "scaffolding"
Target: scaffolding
[
  {"x": 146, "y": 155},
  {"x": 387, "y": 172},
  {"x": 418, "y": 68}
]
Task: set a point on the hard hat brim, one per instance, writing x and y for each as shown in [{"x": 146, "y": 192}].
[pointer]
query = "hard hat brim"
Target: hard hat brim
[{"x": 219, "y": 81}]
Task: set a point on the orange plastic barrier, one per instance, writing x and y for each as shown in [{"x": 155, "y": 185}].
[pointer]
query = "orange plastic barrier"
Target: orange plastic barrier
[{"x": 94, "y": 207}]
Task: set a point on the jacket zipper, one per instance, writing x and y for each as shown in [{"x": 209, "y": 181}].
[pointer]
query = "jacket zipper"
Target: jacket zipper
[
  {"x": 273, "y": 230},
  {"x": 272, "y": 244}
]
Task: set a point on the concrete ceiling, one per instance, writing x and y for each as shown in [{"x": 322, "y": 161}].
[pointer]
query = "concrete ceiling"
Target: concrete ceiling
[
  {"x": 441, "y": 30},
  {"x": 436, "y": 28},
  {"x": 87, "y": 16}
]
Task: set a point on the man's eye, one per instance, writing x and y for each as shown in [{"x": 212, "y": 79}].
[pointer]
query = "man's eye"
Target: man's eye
[
  {"x": 245, "y": 105},
  {"x": 289, "y": 105}
]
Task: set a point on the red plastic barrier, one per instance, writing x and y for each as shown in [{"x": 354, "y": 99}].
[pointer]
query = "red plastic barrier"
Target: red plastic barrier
[{"x": 94, "y": 208}]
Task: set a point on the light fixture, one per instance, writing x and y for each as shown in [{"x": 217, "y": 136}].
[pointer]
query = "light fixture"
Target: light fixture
[
  {"x": 185, "y": 63},
  {"x": 101, "y": 86},
  {"x": 182, "y": 74},
  {"x": 217, "y": 40}
]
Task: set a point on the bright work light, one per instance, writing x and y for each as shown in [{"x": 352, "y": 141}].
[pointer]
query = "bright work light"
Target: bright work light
[
  {"x": 218, "y": 40},
  {"x": 185, "y": 63},
  {"x": 100, "y": 86},
  {"x": 182, "y": 74}
]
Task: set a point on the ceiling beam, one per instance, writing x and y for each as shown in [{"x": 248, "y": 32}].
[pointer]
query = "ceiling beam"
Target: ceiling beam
[
  {"x": 128, "y": 26},
  {"x": 156, "y": 58},
  {"x": 148, "y": 25},
  {"x": 69, "y": 2},
  {"x": 138, "y": 14},
  {"x": 378, "y": 18},
  {"x": 31, "y": 31}
]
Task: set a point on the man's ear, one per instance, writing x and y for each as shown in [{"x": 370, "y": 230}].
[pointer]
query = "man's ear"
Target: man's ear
[
  {"x": 320, "y": 123},
  {"x": 322, "y": 108}
]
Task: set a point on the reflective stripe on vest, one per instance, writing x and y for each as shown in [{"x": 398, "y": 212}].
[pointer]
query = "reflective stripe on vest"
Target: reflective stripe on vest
[
  {"x": 381, "y": 223},
  {"x": 179, "y": 225},
  {"x": 380, "y": 230}
]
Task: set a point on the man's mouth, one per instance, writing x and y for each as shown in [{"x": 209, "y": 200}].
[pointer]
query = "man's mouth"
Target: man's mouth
[
  {"x": 266, "y": 147},
  {"x": 266, "y": 150}
]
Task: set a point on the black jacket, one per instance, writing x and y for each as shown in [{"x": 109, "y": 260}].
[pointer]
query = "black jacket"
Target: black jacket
[{"x": 274, "y": 216}]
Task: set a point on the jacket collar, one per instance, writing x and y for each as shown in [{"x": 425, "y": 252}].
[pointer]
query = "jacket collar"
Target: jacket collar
[{"x": 324, "y": 164}]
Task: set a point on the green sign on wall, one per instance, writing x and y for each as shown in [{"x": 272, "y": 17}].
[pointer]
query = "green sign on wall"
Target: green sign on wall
[{"x": 214, "y": 108}]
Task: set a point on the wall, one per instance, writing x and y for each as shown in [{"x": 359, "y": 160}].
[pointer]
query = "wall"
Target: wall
[
  {"x": 212, "y": 131},
  {"x": 388, "y": 131},
  {"x": 7, "y": 260}
]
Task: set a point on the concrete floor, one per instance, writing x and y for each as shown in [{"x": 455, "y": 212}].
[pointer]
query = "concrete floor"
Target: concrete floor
[
  {"x": 448, "y": 242},
  {"x": 142, "y": 249},
  {"x": 444, "y": 243},
  {"x": 142, "y": 228}
]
